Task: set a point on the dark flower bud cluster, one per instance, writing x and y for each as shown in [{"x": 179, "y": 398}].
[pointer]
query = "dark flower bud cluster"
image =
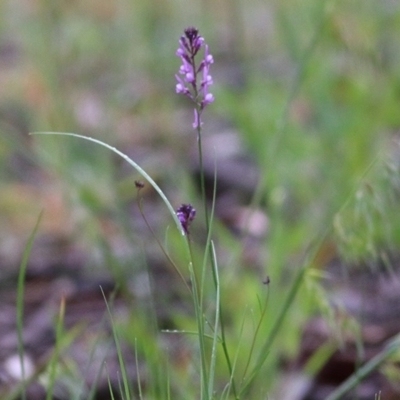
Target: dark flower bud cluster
[
  {"x": 186, "y": 214},
  {"x": 194, "y": 80}
]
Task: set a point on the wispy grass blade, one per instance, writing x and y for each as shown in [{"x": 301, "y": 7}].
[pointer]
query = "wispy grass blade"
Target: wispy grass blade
[
  {"x": 201, "y": 336},
  {"x": 263, "y": 308},
  {"x": 110, "y": 387},
  {"x": 391, "y": 348},
  {"x": 20, "y": 300},
  {"x": 138, "y": 372},
  {"x": 126, "y": 388},
  {"x": 53, "y": 364},
  {"x": 211, "y": 377},
  {"x": 129, "y": 161},
  {"x": 226, "y": 392},
  {"x": 168, "y": 386},
  {"x": 92, "y": 393},
  {"x": 208, "y": 250}
]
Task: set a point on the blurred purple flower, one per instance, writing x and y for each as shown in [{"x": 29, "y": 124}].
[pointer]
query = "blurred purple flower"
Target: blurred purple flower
[
  {"x": 188, "y": 78},
  {"x": 186, "y": 214}
]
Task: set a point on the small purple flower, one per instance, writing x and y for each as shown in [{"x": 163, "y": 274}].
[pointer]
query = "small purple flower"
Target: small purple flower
[
  {"x": 186, "y": 214},
  {"x": 188, "y": 78}
]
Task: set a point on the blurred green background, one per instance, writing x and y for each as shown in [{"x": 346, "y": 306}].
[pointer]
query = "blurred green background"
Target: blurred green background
[{"x": 311, "y": 88}]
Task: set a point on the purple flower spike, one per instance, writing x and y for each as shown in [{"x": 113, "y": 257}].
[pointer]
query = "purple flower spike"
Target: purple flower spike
[
  {"x": 194, "y": 81},
  {"x": 186, "y": 214}
]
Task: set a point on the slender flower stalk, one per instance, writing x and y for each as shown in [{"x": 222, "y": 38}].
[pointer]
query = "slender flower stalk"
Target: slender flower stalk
[{"x": 193, "y": 81}]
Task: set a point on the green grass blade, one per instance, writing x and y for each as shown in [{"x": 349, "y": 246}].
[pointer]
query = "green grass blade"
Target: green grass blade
[
  {"x": 53, "y": 364},
  {"x": 110, "y": 387},
  {"x": 392, "y": 346},
  {"x": 138, "y": 371},
  {"x": 119, "y": 351},
  {"x": 211, "y": 377},
  {"x": 20, "y": 299},
  {"x": 129, "y": 161},
  {"x": 200, "y": 326}
]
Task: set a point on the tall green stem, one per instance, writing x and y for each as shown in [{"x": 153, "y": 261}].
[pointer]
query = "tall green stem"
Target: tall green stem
[
  {"x": 198, "y": 307},
  {"x": 212, "y": 259}
]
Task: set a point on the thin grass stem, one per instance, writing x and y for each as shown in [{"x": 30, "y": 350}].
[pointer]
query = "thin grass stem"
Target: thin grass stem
[
  {"x": 200, "y": 327},
  {"x": 132, "y": 163},
  {"x": 215, "y": 338},
  {"x": 253, "y": 342},
  {"x": 138, "y": 372},
  {"x": 110, "y": 389},
  {"x": 54, "y": 359},
  {"x": 126, "y": 387},
  {"x": 20, "y": 300},
  {"x": 391, "y": 348}
]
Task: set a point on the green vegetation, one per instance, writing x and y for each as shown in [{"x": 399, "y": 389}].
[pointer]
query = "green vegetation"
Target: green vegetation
[{"x": 310, "y": 87}]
